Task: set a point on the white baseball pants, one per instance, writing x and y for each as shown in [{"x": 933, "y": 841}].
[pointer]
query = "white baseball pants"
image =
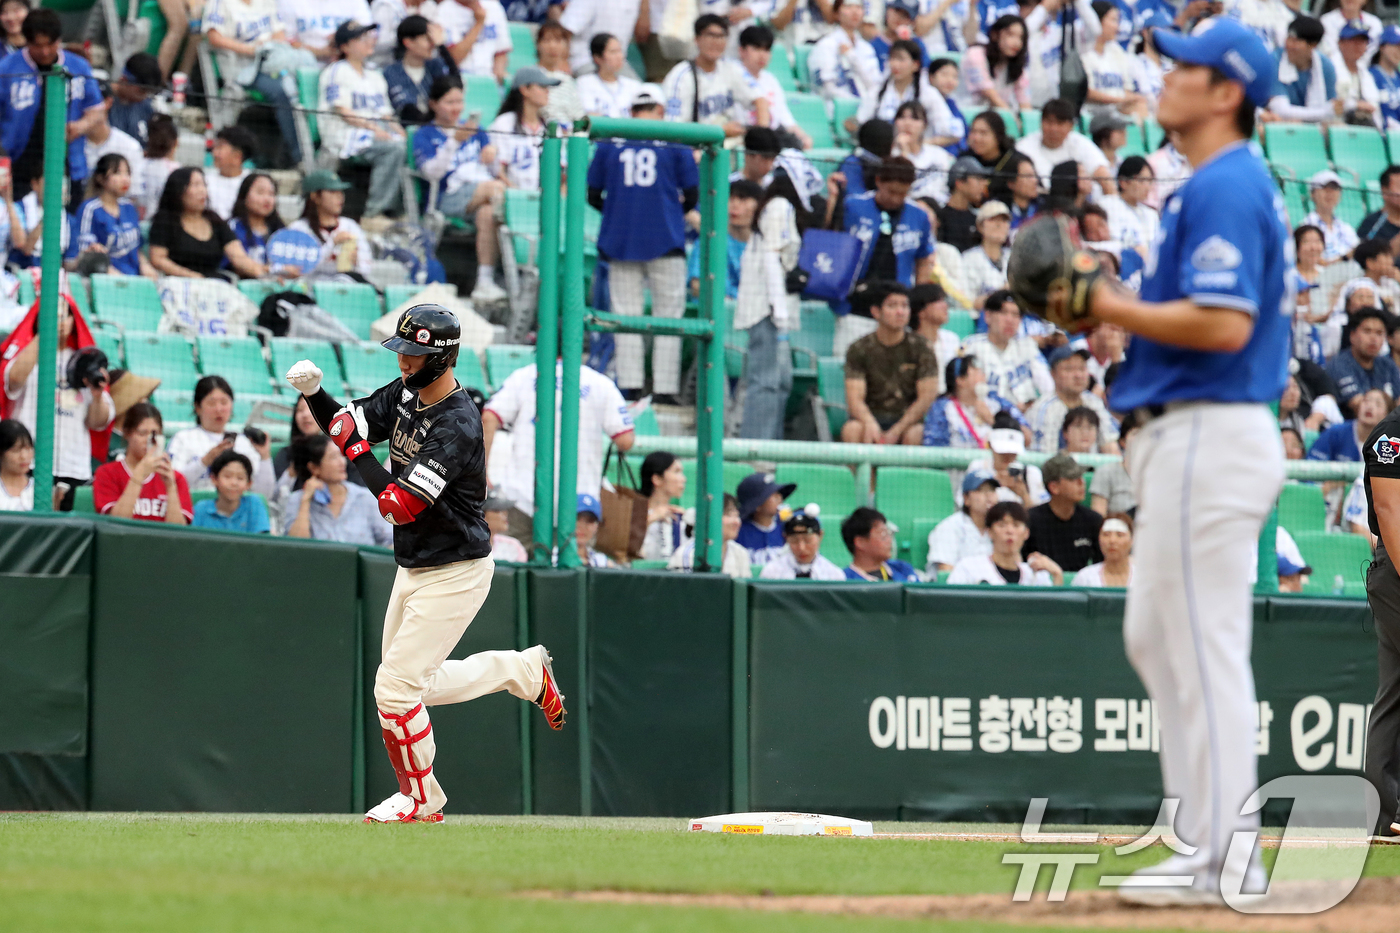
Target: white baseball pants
[
  {"x": 429, "y": 610},
  {"x": 666, "y": 278},
  {"x": 1206, "y": 476}
]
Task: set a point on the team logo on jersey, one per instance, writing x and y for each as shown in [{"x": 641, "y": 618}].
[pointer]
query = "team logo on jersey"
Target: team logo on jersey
[
  {"x": 406, "y": 395},
  {"x": 1216, "y": 254},
  {"x": 825, "y": 264},
  {"x": 1387, "y": 449},
  {"x": 423, "y": 336}
]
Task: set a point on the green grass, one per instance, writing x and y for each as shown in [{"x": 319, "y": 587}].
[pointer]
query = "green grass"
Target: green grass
[{"x": 164, "y": 872}]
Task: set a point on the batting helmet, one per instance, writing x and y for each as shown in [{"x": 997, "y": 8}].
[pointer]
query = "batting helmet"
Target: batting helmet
[{"x": 431, "y": 331}]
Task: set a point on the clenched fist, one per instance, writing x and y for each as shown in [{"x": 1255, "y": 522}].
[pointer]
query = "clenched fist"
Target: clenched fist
[{"x": 305, "y": 377}]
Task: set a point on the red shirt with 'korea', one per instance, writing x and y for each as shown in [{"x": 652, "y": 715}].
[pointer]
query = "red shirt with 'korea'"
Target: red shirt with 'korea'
[{"x": 109, "y": 482}]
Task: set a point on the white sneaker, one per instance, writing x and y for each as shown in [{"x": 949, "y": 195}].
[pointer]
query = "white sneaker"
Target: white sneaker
[
  {"x": 400, "y": 808},
  {"x": 488, "y": 291},
  {"x": 1178, "y": 881}
]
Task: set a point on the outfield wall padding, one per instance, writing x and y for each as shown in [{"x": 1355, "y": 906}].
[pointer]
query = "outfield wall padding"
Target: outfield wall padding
[
  {"x": 659, "y": 656},
  {"x": 556, "y": 598},
  {"x": 851, "y": 691},
  {"x": 478, "y": 743},
  {"x": 223, "y": 672}
]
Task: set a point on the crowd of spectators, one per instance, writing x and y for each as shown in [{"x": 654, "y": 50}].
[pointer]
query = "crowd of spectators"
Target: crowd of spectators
[{"x": 934, "y": 192}]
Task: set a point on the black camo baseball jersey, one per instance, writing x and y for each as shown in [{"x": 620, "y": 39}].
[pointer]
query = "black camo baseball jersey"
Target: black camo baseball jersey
[{"x": 436, "y": 453}]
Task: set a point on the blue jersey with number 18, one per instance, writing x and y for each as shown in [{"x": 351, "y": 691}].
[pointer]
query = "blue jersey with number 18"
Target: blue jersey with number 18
[
  {"x": 642, "y": 182},
  {"x": 1224, "y": 243}
]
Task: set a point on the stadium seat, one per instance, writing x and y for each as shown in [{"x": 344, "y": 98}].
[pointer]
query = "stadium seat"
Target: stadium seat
[
  {"x": 286, "y": 351},
  {"x": 395, "y": 295},
  {"x": 504, "y": 359},
  {"x": 799, "y": 61},
  {"x": 833, "y": 548},
  {"x": 129, "y": 301},
  {"x": 1136, "y": 144},
  {"x": 831, "y": 386},
  {"x": 1154, "y": 134},
  {"x": 167, "y": 357},
  {"x": 110, "y": 343},
  {"x": 831, "y": 487},
  {"x": 962, "y": 323},
  {"x": 734, "y": 473},
  {"x": 1299, "y": 146},
  {"x": 1294, "y": 201},
  {"x": 818, "y": 326},
  {"x": 81, "y": 298},
  {"x": 243, "y": 411},
  {"x": 1012, "y": 121},
  {"x": 354, "y": 304},
  {"x": 522, "y": 52},
  {"x": 1358, "y": 149},
  {"x": 470, "y": 373},
  {"x": 1030, "y": 122},
  {"x": 906, "y": 493},
  {"x": 257, "y": 290},
  {"x": 484, "y": 95},
  {"x": 809, "y": 111},
  {"x": 1302, "y": 508},
  {"x": 644, "y": 423},
  {"x": 82, "y": 500},
  {"x": 240, "y": 361},
  {"x": 1332, "y": 556},
  {"x": 309, "y": 93},
  {"x": 918, "y": 541},
  {"x": 780, "y": 67},
  {"x": 842, "y": 109},
  {"x": 369, "y": 366},
  {"x": 522, "y": 219}
]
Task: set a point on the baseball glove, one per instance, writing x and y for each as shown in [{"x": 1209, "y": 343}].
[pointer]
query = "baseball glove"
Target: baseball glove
[{"x": 1050, "y": 274}]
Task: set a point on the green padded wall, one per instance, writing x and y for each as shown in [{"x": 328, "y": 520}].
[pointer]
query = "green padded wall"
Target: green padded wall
[
  {"x": 478, "y": 743},
  {"x": 46, "y": 581},
  {"x": 242, "y": 698},
  {"x": 659, "y": 652},
  {"x": 555, "y": 599},
  {"x": 825, "y": 657}
]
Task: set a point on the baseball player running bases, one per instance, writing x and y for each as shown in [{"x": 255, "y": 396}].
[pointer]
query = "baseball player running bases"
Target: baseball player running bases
[
  {"x": 432, "y": 493},
  {"x": 1210, "y": 351}
]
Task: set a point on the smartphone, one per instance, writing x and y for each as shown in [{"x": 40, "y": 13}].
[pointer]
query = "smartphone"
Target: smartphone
[
  {"x": 256, "y": 435},
  {"x": 230, "y": 437},
  {"x": 157, "y": 441},
  {"x": 1017, "y": 472}
]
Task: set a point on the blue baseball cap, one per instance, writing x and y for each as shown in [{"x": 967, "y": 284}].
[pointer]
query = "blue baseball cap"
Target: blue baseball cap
[
  {"x": 1354, "y": 30},
  {"x": 591, "y": 505},
  {"x": 1390, "y": 36},
  {"x": 1228, "y": 46},
  {"x": 1158, "y": 19},
  {"x": 976, "y": 479}
]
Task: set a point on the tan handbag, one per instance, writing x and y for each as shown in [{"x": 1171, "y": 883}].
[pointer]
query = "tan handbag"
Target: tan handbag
[{"x": 624, "y": 524}]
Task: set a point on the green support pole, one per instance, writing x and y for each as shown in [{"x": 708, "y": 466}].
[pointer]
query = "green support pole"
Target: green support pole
[
  {"x": 571, "y": 349},
  {"x": 546, "y": 347},
  {"x": 704, "y": 441},
  {"x": 709, "y": 499},
  {"x": 55, "y": 160}
]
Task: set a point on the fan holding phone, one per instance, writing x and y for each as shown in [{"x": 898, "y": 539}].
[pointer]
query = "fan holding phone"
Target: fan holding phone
[{"x": 194, "y": 449}]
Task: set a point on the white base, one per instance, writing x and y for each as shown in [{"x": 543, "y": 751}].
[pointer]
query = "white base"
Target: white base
[{"x": 781, "y": 824}]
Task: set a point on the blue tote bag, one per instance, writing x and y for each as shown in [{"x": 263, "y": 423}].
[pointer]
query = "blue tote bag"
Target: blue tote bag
[{"x": 831, "y": 260}]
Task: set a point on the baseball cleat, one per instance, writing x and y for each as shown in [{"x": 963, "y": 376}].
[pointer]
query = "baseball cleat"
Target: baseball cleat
[
  {"x": 550, "y": 699},
  {"x": 400, "y": 808}
]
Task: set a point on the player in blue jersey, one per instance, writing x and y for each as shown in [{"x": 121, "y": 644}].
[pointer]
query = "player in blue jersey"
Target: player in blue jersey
[
  {"x": 107, "y": 220},
  {"x": 1209, "y": 353},
  {"x": 644, "y": 189}
]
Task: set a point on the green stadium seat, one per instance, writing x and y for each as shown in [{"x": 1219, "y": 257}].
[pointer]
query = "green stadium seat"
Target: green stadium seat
[
  {"x": 799, "y": 62},
  {"x": 1030, "y": 122},
  {"x": 243, "y": 408},
  {"x": 831, "y": 386},
  {"x": 843, "y": 109},
  {"x": 833, "y": 548},
  {"x": 309, "y": 93},
  {"x": 1294, "y": 201},
  {"x": 286, "y": 351},
  {"x": 634, "y": 58},
  {"x": 1332, "y": 556},
  {"x": 962, "y": 323},
  {"x": 831, "y": 487},
  {"x": 648, "y": 565},
  {"x": 1154, "y": 134},
  {"x": 1135, "y": 145},
  {"x": 1359, "y": 149},
  {"x": 906, "y": 493},
  {"x": 129, "y": 301},
  {"x": 504, "y": 359},
  {"x": 483, "y": 94},
  {"x": 1302, "y": 508},
  {"x": 167, "y": 357},
  {"x": 81, "y": 298},
  {"x": 780, "y": 67},
  {"x": 176, "y": 406},
  {"x": 522, "y": 52},
  {"x": 1299, "y": 146},
  {"x": 354, "y": 304},
  {"x": 82, "y": 500},
  {"x": 814, "y": 336},
  {"x": 110, "y": 343},
  {"x": 644, "y": 423},
  {"x": 1012, "y": 120},
  {"x": 369, "y": 366},
  {"x": 240, "y": 361},
  {"x": 397, "y": 294},
  {"x": 734, "y": 473},
  {"x": 918, "y": 540},
  {"x": 809, "y": 111},
  {"x": 469, "y": 371},
  {"x": 522, "y": 217}
]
